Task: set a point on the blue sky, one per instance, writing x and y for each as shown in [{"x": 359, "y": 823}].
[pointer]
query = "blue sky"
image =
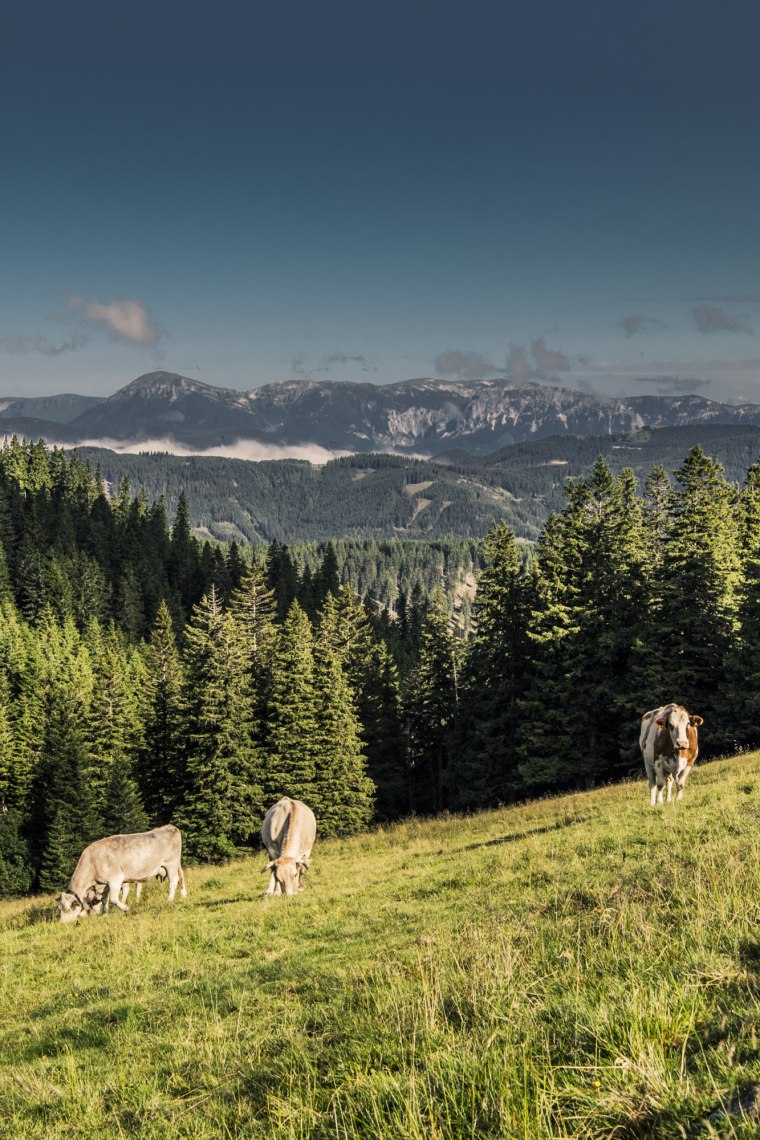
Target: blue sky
[{"x": 249, "y": 192}]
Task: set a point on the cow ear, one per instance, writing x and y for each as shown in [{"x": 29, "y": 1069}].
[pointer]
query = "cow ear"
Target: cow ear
[{"x": 696, "y": 721}]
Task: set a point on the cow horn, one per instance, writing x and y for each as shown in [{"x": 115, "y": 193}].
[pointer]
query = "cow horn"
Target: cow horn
[{"x": 268, "y": 867}]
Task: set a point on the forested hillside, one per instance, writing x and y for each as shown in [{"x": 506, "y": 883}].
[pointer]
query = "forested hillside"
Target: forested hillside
[
  {"x": 146, "y": 676},
  {"x": 457, "y": 495}
]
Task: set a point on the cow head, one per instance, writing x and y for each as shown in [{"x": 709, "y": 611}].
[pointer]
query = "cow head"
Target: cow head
[
  {"x": 71, "y": 907},
  {"x": 288, "y": 874}
]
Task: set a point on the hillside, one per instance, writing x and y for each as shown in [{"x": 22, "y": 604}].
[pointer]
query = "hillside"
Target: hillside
[
  {"x": 582, "y": 966},
  {"x": 384, "y": 496}
]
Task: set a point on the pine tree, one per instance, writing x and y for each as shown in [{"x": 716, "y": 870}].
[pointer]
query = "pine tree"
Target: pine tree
[
  {"x": 291, "y": 724},
  {"x": 182, "y": 568},
  {"x": 493, "y": 679},
  {"x": 223, "y": 801},
  {"x": 741, "y": 690},
  {"x": 592, "y": 589},
  {"x": 696, "y": 591},
  {"x": 342, "y": 794},
  {"x": 160, "y": 760},
  {"x": 433, "y": 706}
]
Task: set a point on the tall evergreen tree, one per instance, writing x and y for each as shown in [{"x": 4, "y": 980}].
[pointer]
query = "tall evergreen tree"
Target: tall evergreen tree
[
  {"x": 740, "y": 694},
  {"x": 223, "y": 795},
  {"x": 291, "y": 723},
  {"x": 433, "y": 706},
  {"x": 483, "y": 769},
  {"x": 160, "y": 759},
  {"x": 342, "y": 793},
  {"x": 696, "y": 591}
]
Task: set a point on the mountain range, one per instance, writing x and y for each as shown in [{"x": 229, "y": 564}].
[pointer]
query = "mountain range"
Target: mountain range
[{"x": 417, "y": 417}]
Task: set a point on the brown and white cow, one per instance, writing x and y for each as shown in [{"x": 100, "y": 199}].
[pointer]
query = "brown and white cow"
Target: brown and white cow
[
  {"x": 288, "y": 832},
  {"x": 669, "y": 745}
]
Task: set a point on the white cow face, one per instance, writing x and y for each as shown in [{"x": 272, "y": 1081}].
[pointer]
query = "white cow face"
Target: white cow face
[
  {"x": 677, "y": 724},
  {"x": 70, "y": 908},
  {"x": 287, "y": 874}
]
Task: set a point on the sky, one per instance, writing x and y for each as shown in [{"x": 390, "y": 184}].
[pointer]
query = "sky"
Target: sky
[{"x": 376, "y": 191}]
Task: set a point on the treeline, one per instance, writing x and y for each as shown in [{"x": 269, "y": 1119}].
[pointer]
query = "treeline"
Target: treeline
[{"x": 242, "y": 682}]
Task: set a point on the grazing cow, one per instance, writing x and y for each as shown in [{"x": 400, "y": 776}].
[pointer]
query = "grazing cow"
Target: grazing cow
[
  {"x": 288, "y": 832},
  {"x": 669, "y": 746},
  {"x": 110, "y": 863}
]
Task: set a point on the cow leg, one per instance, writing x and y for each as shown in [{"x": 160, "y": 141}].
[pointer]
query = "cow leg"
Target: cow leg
[
  {"x": 173, "y": 882},
  {"x": 670, "y": 789},
  {"x": 114, "y": 890},
  {"x": 182, "y": 888},
  {"x": 652, "y": 793},
  {"x": 124, "y": 892},
  {"x": 272, "y": 883},
  {"x": 138, "y": 891}
]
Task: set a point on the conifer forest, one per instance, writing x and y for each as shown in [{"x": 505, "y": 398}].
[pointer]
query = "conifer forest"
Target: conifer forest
[{"x": 149, "y": 677}]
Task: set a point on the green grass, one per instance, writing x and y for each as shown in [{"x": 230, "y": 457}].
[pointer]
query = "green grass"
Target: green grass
[{"x": 584, "y": 966}]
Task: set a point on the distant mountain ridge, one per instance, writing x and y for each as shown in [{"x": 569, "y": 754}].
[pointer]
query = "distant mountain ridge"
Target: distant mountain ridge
[{"x": 423, "y": 416}]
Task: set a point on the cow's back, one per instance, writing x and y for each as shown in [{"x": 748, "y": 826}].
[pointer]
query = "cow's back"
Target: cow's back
[
  {"x": 289, "y": 828},
  {"x": 137, "y": 856},
  {"x": 649, "y": 731}
]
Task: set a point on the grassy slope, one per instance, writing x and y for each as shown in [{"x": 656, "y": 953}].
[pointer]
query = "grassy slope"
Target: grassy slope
[{"x": 584, "y": 966}]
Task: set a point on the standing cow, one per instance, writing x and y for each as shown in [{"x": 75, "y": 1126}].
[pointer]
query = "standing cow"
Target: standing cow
[
  {"x": 118, "y": 859},
  {"x": 288, "y": 832},
  {"x": 669, "y": 745}
]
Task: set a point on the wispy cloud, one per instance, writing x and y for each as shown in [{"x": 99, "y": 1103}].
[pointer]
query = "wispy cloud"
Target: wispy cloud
[
  {"x": 518, "y": 366},
  {"x": 127, "y": 321},
  {"x": 730, "y": 298},
  {"x": 42, "y": 345},
  {"x": 327, "y": 362},
  {"x": 671, "y": 385},
  {"x": 634, "y": 324},
  {"x": 711, "y": 319},
  {"x": 549, "y": 359},
  {"x": 466, "y": 365}
]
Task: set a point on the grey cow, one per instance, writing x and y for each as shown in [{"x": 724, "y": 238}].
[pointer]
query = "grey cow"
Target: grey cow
[
  {"x": 106, "y": 865},
  {"x": 288, "y": 832}
]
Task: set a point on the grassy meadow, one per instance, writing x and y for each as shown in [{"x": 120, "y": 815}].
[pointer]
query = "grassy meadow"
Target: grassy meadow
[{"x": 584, "y": 966}]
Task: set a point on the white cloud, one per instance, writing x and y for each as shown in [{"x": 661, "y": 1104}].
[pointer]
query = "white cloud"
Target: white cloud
[
  {"x": 242, "y": 449},
  {"x": 127, "y": 320}
]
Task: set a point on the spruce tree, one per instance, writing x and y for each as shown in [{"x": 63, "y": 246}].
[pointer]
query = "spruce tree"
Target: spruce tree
[
  {"x": 696, "y": 591},
  {"x": 223, "y": 800},
  {"x": 741, "y": 690},
  {"x": 483, "y": 769},
  {"x": 432, "y": 708},
  {"x": 291, "y": 722},
  {"x": 343, "y": 794},
  {"x": 160, "y": 758}
]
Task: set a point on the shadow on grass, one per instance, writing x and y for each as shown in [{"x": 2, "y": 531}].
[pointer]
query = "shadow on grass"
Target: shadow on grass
[
  {"x": 226, "y": 902},
  {"x": 516, "y": 836}
]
